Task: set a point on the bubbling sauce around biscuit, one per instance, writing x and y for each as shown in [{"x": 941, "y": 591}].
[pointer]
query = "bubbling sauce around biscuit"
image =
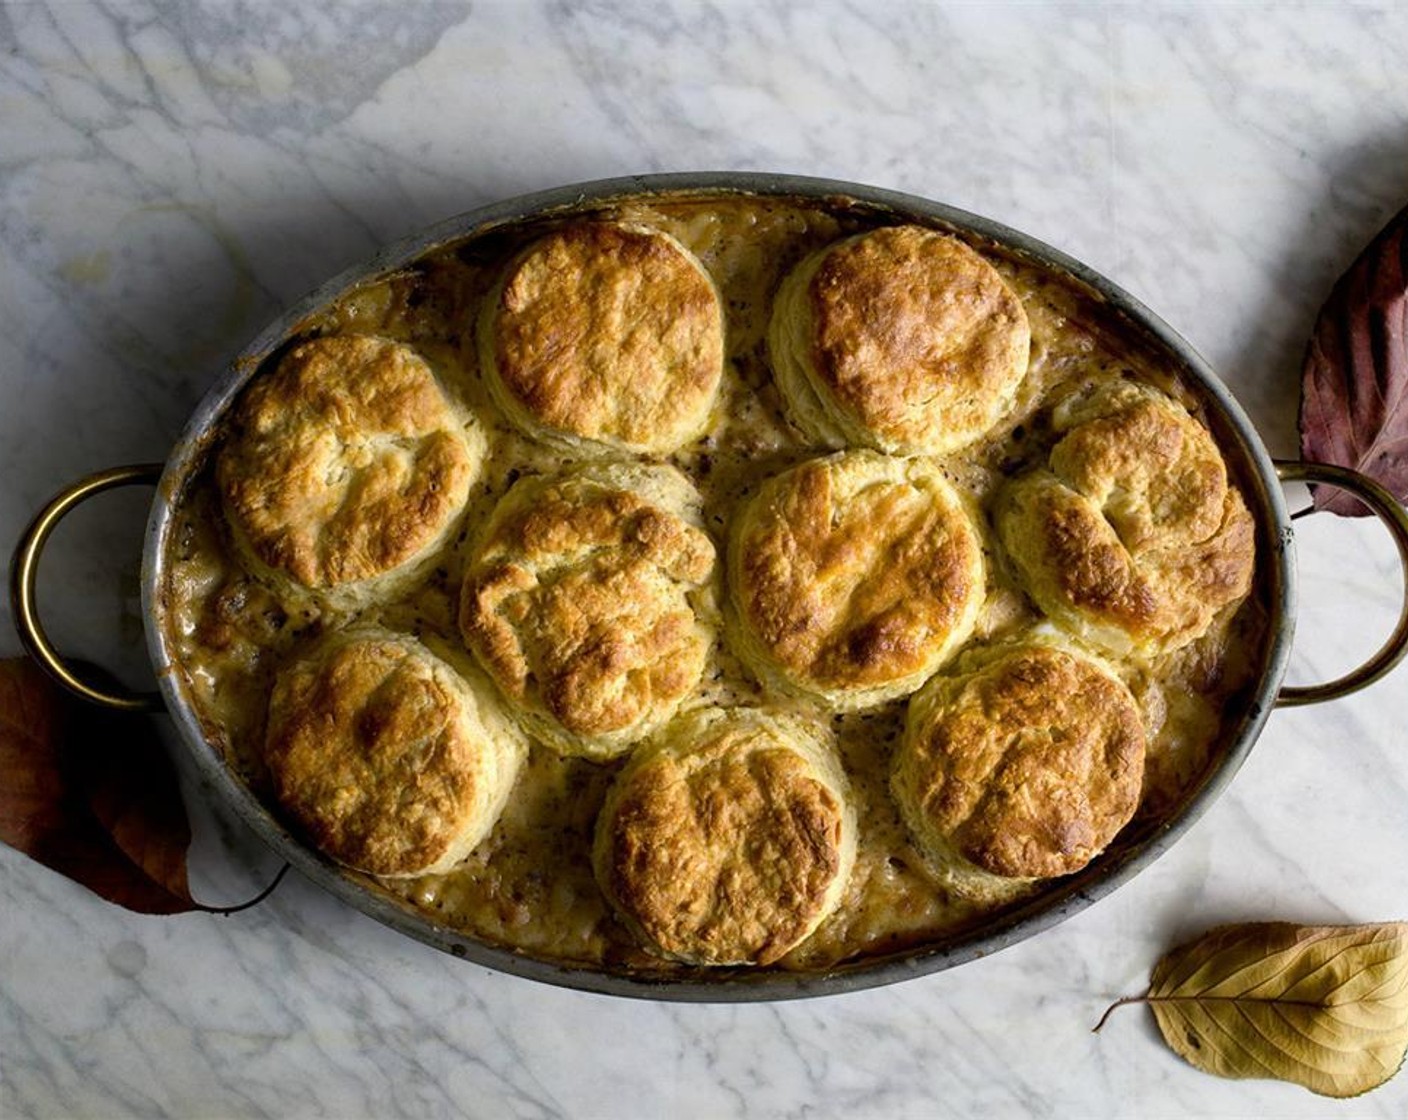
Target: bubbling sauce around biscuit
[{"x": 530, "y": 887}]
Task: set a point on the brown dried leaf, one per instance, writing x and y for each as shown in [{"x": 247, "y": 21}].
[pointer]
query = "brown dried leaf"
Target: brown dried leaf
[
  {"x": 93, "y": 798},
  {"x": 1354, "y": 384},
  {"x": 1323, "y": 1006}
]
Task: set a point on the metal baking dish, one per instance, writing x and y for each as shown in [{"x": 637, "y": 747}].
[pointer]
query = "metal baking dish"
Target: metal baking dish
[{"x": 1246, "y": 455}]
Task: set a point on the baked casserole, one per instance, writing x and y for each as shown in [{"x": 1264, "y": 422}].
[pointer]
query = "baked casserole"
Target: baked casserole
[{"x": 715, "y": 582}]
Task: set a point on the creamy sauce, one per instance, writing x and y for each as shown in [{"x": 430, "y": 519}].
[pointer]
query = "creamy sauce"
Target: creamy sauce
[{"x": 530, "y": 886}]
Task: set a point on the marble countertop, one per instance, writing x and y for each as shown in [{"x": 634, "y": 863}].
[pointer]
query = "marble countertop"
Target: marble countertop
[{"x": 172, "y": 175}]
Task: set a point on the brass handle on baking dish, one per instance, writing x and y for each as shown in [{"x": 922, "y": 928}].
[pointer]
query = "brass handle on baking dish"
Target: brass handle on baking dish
[
  {"x": 24, "y": 569},
  {"x": 1387, "y": 509}
]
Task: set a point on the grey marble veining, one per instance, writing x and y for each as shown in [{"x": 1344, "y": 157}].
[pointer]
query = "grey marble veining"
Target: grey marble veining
[{"x": 172, "y": 175}]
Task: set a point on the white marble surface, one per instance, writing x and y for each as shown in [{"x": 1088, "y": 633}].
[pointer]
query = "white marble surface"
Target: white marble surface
[{"x": 172, "y": 175}]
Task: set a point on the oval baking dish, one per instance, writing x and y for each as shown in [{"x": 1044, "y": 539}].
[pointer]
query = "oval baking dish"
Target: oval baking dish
[{"x": 1258, "y": 477}]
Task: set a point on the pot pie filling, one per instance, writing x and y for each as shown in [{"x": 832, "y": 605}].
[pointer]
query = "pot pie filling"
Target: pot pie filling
[{"x": 809, "y": 693}]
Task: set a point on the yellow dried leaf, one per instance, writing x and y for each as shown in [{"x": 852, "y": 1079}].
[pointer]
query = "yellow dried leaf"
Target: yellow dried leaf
[{"x": 1323, "y": 1006}]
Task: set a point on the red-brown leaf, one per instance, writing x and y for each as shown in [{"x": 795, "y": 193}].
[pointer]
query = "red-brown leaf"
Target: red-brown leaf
[
  {"x": 1354, "y": 385},
  {"x": 92, "y": 797}
]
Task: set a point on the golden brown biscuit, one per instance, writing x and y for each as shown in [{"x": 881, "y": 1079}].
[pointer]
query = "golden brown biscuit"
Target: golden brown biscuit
[
  {"x": 1022, "y": 764},
  {"x": 346, "y": 467},
  {"x": 589, "y": 601},
  {"x": 853, "y": 578},
  {"x": 729, "y": 838},
  {"x": 388, "y": 758},
  {"x": 1132, "y": 538},
  {"x": 902, "y": 339},
  {"x": 605, "y": 337}
]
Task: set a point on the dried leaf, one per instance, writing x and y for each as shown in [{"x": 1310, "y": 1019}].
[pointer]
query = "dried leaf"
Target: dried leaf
[
  {"x": 132, "y": 791},
  {"x": 1354, "y": 384},
  {"x": 1323, "y": 1006},
  {"x": 93, "y": 798}
]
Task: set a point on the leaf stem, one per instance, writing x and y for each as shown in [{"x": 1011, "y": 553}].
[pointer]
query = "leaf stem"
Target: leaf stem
[
  {"x": 1118, "y": 1003},
  {"x": 255, "y": 901},
  {"x": 1149, "y": 997}
]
